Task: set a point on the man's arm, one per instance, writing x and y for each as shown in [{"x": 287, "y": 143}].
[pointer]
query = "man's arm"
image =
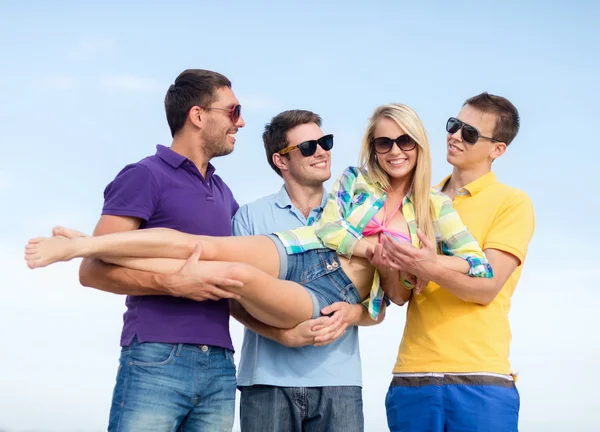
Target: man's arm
[
  {"x": 505, "y": 246},
  {"x": 358, "y": 314},
  {"x": 473, "y": 289},
  {"x": 318, "y": 331},
  {"x": 424, "y": 263},
  {"x": 97, "y": 274}
]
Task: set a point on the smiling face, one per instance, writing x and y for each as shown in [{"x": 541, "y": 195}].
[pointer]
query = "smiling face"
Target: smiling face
[
  {"x": 310, "y": 170},
  {"x": 219, "y": 131},
  {"x": 398, "y": 164},
  {"x": 463, "y": 155}
]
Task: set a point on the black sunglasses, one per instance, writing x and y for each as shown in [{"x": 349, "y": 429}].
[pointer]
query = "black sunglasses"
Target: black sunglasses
[
  {"x": 383, "y": 145},
  {"x": 308, "y": 148},
  {"x": 469, "y": 133},
  {"x": 234, "y": 113}
]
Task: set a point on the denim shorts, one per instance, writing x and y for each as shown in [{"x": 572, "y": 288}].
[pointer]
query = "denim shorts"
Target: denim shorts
[{"x": 320, "y": 272}]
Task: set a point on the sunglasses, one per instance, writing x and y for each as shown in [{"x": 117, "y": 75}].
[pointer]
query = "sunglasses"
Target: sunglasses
[
  {"x": 309, "y": 148},
  {"x": 234, "y": 113},
  {"x": 383, "y": 145},
  {"x": 469, "y": 134}
]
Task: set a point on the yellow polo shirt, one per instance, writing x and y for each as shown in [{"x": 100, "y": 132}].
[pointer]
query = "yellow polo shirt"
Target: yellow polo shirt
[{"x": 446, "y": 334}]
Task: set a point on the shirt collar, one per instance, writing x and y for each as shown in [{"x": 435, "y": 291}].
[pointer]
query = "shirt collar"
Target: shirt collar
[
  {"x": 481, "y": 183},
  {"x": 169, "y": 156},
  {"x": 176, "y": 160},
  {"x": 282, "y": 199},
  {"x": 475, "y": 186}
]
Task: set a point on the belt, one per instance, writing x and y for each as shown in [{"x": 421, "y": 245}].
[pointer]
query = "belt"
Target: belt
[{"x": 449, "y": 379}]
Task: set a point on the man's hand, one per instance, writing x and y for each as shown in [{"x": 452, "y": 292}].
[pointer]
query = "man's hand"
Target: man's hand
[
  {"x": 319, "y": 331},
  {"x": 378, "y": 259},
  {"x": 189, "y": 282},
  {"x": 404, "y": 256}
]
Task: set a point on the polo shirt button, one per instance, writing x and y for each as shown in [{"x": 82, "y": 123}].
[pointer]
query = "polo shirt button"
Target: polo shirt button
[
  {"x": 204, "y": 348},
  {"x": 335, "y": 264},
  {"x": 329, "y": 267}
]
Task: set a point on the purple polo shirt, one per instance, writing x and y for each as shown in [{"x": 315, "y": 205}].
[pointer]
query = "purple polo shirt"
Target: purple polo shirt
[{"x": 167, "y": 190}]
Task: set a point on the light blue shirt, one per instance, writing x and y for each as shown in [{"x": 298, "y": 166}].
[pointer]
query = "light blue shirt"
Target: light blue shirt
[{"x": 263, "y": 361}]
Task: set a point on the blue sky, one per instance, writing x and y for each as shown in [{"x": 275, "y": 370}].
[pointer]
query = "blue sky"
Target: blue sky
[{"x": 82, "y": 90}]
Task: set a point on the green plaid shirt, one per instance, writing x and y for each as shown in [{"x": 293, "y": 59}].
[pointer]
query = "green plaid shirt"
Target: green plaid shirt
[{"x": 354, "y": 201}]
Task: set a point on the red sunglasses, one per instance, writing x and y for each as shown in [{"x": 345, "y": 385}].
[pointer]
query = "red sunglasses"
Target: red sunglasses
[{"x": 234, "y": 113}]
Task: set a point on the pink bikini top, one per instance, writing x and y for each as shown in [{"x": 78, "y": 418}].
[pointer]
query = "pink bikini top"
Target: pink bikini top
[{"x": 376, "y": 227}]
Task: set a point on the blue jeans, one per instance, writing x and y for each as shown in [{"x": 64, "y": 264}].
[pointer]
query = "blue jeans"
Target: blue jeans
[
  {"x": 452, "y": 403},
  {"x": 320, "y": 273},
  {"x": 174, "y": 387},
  {"x": 301, "y": 409}
]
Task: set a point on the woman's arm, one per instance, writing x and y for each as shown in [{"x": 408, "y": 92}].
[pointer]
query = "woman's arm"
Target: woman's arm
[
  {"x": 457, "y": 241},
  {"x": 333, "y": 228}
]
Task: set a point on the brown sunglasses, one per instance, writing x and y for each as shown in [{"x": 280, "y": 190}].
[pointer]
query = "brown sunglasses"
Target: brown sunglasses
[{"x": 234, "y": 113}]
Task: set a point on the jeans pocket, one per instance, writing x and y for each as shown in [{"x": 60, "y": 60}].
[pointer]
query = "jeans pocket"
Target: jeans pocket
[
  {"x": 230, "y": 358},
  {"x": 151, "y": 354}
]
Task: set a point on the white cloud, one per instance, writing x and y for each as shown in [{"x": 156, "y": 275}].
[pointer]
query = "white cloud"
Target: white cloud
[
  {"x": 131, "y": 82},
  {"x": 90, "y": 47}
]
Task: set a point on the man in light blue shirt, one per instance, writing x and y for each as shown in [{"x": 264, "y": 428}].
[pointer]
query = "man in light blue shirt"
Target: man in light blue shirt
[{"x": 287, "y": 383}]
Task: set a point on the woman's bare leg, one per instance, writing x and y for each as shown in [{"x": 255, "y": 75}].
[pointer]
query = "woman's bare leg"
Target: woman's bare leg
[
  {"x": 278, "y": 303},
  {"x": 258, "y": 251},
  {"x": 156, "y": 265}
]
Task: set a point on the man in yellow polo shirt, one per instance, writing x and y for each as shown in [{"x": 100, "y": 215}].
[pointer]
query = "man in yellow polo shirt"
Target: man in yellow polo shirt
[{"x": 452, "y": 371}]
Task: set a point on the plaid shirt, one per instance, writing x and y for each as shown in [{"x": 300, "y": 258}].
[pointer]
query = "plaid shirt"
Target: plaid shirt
[{"x": 354, "y": 201}]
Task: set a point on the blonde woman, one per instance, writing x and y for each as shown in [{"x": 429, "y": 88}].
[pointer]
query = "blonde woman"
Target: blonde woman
[{"x": 288, "y": 277}]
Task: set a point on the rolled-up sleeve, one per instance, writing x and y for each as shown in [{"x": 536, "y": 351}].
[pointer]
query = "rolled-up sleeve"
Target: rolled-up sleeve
[
  {"x": 456, "y": 240},
  {"x": 333, "y": 228}
]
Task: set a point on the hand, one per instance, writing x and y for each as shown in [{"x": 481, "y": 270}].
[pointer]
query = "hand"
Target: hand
[
  {"x": 378, "y": 259},
  {"x": 420, "y": 286},
  {"x": 404, "y": 256},
  {"x": 345, "y": 314},
  {"x": 325, "y": 329},
  {"x": 191, "y": 282}
]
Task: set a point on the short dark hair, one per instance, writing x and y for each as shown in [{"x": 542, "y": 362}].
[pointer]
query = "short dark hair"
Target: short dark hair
[
  {"x": 507, "y": 116},
  {"x": 193, "y": 87},
  {"x": 275, "y": 134}
]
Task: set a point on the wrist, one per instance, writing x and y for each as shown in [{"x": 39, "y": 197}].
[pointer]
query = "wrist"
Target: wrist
[
  {"x": 431, "y": 270},
  {"x": 284, "y": 337},
  {"x": 166, "y": 282},
  {"x": 355, "y": 314}
]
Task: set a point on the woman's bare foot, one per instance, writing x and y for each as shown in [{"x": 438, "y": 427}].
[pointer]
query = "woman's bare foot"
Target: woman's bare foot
[
  {"x": 43, "y": 251},
  {"x": 69, "y": 233}
]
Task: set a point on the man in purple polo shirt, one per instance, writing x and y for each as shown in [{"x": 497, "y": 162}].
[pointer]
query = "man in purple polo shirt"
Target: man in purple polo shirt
[{"x": 176, "y": 367}]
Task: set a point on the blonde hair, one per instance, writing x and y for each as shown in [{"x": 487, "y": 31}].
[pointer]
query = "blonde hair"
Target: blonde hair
[{"x": 409, "y": 121}]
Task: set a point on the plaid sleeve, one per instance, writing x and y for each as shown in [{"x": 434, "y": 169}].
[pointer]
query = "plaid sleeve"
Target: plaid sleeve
[
  {"x": 333, "y": 228},
  {"x": 456, "y": 240}
]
